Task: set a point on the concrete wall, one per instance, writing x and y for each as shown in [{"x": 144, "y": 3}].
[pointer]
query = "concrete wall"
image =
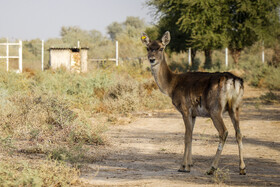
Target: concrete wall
[
  {"x": 60, "y": 58},
  {"x": 84, "y": 60},
  {"x": 75, "y": 61}
]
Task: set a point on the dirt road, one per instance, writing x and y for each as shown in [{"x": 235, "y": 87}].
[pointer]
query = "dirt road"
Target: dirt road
[{"x": 148, "y": 152}]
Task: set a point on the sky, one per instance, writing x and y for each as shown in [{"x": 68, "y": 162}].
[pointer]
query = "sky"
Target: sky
[{"x": 43, "y": 19}]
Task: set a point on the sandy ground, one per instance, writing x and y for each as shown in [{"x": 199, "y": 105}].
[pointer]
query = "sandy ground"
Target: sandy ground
[{"x": 148, "y": 152}]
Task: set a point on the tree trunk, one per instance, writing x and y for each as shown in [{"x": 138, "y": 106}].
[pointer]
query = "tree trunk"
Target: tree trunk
[
  {"x": 194, "y": 64},
  {"x": 208, "y": 58},
  {"x": 193, "y": 53},
  {"x": 235, "y": 53}
]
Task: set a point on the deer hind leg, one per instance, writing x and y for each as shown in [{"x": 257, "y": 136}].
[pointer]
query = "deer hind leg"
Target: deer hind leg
[
  {"x": 193, "y": 123},
  {"x": 234, "y": 115},
  {"x": 223, "y": 133},
  {"x": 187, "y": 158}
]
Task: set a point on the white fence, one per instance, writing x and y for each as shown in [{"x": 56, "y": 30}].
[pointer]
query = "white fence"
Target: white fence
[
  {"x": 226, "y": 56},
  {"x": 7, "y": 57},
  {"x": 116, "y": 59},
  {"x": 109, "y": 59}
]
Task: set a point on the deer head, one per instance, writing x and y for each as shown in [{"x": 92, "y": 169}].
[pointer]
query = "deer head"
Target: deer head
[{"x": 156, "y": 48}]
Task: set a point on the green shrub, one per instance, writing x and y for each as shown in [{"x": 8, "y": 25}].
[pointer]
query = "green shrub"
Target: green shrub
[
  {"x": 261, "y": 75},
  {"x": 272, "y": 78}
]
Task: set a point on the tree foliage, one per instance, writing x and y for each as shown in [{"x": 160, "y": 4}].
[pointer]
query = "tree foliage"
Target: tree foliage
[
  {"x": 131, "y": 26},
  {"x": 99, "y": 46},
  {"x": 213, "y": 24},
  {"x": 128, "y": 36},
  {"x": 248, "y": 22},
  {"x": 114, "y": 29}
]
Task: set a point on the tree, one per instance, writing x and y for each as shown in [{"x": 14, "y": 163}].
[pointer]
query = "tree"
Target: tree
[
  {"x": 70, "y": 35},
  {"x": 195, "y": 24},
  {"x": 168, "y": 21},
  {"x": 135, "y": 22},
  {"x": 114, "y": 29},
  {"x": 214, "y": 24},
  {"x": 34, "y": 46},
  {"x": 127, "y": 34},
  {"x": 131, "y": 26},
  {"x": 99, "y": 46},
  {"x": 152, "y": 32},
  {"x": 248, "y": 22}
]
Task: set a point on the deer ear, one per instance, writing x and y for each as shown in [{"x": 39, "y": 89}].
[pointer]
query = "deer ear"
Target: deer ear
[
  {"x": 145, "y": 39},
  {"x": 166, "y": 38}
]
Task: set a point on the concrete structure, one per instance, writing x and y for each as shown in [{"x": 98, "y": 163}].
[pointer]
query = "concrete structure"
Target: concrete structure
[{"x": 73, "y": 59}]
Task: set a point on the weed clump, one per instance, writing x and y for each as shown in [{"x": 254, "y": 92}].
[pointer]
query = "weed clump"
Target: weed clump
[
  {"x": 44, "y": 118},
  {"x": 221, "y": 176},
  {"x": 47, "y": 173},
  {"x": 270, "y": 97}
]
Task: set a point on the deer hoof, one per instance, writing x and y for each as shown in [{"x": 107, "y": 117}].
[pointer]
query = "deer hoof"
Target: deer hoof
[
  {"x": 242, "y": 171},
  {"x": 184, "y": 170},
  {"x": 211, "y": 171}
]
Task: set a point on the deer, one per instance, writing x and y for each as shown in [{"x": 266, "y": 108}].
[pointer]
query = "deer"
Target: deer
[{"x": 197, "y": 94}]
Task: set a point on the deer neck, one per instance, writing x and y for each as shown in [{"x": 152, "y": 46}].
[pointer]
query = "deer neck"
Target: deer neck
[{"x": 163, "y": 76}]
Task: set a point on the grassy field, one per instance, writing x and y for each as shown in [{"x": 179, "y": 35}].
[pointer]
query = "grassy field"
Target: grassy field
[{"x": 53, "y": 121}]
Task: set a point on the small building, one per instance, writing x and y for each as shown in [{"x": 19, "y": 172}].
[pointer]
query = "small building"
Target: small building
[{"x": 73, "y": 59}]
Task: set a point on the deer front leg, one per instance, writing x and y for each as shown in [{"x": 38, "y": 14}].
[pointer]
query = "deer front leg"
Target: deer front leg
[{"x": 187, "y": 158}]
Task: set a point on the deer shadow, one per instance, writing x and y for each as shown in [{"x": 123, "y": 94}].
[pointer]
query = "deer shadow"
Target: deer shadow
[{"x": 163, "y": 164}]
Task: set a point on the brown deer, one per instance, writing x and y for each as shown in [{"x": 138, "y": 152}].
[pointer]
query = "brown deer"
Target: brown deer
[{"x": 198, "y": 94}]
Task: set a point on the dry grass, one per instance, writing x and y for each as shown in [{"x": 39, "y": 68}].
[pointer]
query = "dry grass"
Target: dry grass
[
  {"x": 60, "y": 117},
  {"x": 43, "y": 173},
  {"x": 221, "y": 176},
  {"x": 270, "y": 97}
]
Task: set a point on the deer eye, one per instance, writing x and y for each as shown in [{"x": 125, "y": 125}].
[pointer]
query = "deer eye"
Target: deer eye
[
  {"x": 161, "y": 49},
  {"x": 148, "y": 49}
]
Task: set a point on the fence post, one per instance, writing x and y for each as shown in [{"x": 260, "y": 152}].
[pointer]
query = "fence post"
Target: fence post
[
  {"x": 20, "y": 56},
  {"x": 117, "y": 53},
  {"x": 226, "y": 56},
  {"x": 42, "y": 55},
  {"x": 190, "y": 56},
  {"x": 7, "y": 54}
]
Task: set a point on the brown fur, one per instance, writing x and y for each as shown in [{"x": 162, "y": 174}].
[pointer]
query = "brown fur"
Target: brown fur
[{"x": 198, "y": 94}]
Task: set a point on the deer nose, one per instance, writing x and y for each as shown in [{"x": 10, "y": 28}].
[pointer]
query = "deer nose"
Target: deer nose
[{"x": 152, "y": 61}]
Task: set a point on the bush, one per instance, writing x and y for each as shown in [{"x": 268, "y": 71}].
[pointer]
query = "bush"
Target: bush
[
  {"x": 261, "y": 75},
  {"x": 270, "y": 97},
  {"x": 57, "y": 110},
  {"x": 61, "y": 116},
  {"x": 47, "y": 173},
  {"x": 44, "y": 118}
]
